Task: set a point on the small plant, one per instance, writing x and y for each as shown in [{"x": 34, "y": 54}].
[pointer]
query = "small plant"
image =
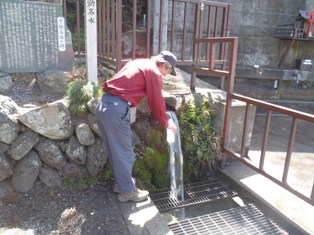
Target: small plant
[
  {"x": 200, "y": 142},
  {"x": 79, "y": 93},
  {"x": 71, "y": 183}
]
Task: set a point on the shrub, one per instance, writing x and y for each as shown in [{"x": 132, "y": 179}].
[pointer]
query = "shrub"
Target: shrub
[
  {"x": 79, "y": 93},
  {"x": 200, "y": 142}
]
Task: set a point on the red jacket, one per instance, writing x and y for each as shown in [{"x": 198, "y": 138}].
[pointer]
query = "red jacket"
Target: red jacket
[{"x": 137, "y": 79}]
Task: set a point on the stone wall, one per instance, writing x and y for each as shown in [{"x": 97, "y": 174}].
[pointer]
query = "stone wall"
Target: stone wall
[
  {"x": 46, "y": 143},
  {"x": 254, "y": 22}
]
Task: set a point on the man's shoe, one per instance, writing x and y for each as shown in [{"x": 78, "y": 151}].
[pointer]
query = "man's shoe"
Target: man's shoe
[
  {"x": 116, "y": 187},
  {"x": 136, "y": 196}
]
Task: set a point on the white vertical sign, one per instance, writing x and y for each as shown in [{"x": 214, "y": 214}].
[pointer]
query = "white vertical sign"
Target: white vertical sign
[
  {"x": 91, "y": 39},
  {"x": 61, "y": 34}
]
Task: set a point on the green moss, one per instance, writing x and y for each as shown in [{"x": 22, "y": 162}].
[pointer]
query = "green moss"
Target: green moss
[
  {"x": 152, "y": 168},
  {"x": 156, "y": 140},
  {"x": 74, "y": 183}
]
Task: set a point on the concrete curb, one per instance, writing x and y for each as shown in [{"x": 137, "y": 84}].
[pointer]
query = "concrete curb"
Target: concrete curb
[{"x": 143, "y": 218}]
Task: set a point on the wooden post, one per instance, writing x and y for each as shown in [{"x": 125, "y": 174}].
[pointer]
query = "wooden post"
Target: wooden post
[{"x": 91, "y": 39}]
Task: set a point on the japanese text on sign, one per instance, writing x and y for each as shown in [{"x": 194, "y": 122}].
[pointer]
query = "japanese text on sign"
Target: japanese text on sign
[
  {"x": 33, "y": 35},
  {"x": 91, "y": 9}
]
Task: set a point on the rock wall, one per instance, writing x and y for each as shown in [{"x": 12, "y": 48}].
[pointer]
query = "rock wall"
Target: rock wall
[{"x": 46, "y": 143}]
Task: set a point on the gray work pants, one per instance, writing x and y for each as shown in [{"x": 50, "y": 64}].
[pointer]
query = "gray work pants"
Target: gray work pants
[{"x": 113, "y": 119}]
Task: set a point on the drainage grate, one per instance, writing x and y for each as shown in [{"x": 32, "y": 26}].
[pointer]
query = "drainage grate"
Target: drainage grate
[
  {"x": 193, "y": 194},
  {"x": 242, "y": 220}
]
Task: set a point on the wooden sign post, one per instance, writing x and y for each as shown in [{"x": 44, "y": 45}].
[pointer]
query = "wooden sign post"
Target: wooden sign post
[{"x": 91, "y": 39}]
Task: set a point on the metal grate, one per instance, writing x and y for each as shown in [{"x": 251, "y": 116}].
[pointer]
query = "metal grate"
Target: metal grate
[
  {"x": 193, "y": 194},
  {"x": 242, "y": 220}
]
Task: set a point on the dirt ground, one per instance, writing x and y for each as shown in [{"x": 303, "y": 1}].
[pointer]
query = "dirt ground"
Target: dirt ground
[{"x": 44, "y": 210}]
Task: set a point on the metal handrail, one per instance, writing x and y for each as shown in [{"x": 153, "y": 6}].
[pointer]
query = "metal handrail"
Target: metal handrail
[{"x": 294, "y": 114}]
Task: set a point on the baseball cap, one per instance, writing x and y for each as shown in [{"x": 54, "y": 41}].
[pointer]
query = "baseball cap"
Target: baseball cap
[{"x": 171, "y": 59}]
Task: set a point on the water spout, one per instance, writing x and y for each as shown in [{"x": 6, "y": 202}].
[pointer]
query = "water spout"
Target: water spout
[
  {"x": 144, "y": 21},
  {"x": 297, "y": 76},
  {"x": 275, "y": 86},
  {"x": 175, "y": 164}
]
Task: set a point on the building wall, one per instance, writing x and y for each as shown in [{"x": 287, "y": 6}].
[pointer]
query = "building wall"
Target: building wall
[{"x": 254, "y": 22}]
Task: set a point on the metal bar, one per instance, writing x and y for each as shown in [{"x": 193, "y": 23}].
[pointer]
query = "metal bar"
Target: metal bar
[
  {"x": 104, "y": 28},
  {"x": 228, "y": 19},
  {"x": 225, "y": 33},
  {"x": 227, "y": 118},
  {"x": 107, "y": 59},
  {"x": 116, "y": 21},
  {"x": 216, "y": 23},
  {"x": 224, "y": 22},
  {"x": 195, "y": 55},
  {"x": 293, "y": 130},
  {"x": 214, "y": 72},
  {"x": 207, "y": 49},
  {"x": 265, "y": 139},
  {"x": 99, "y": 23},
  {"x": 232, "y": 63},
  {"x": 118, "y": 35},
  {"x": 212, "y": 53},
  {"x": 148, "y": 24},
  {"x": 208, "y": 21},
  {"x": 216, "y": 40},
  {"x": 111, "y": 28},
  {"x": 285, "y": 54},
  {"x": 276, "y": 108},
  {"x": 200, "y": 23},
  {"x": 160, "y": 24},
  {"x": 108, "y": 28},
  {"x": 184, "y": 32},
  {"x": 78, "y": 27},
  {"x": 172, "y": 26},
  {"x": 222, "y": 49},
  {"x": 214, "y": 3},
  {"x": 245, "y": 130},
  {"x": 134, "y": 28}
]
